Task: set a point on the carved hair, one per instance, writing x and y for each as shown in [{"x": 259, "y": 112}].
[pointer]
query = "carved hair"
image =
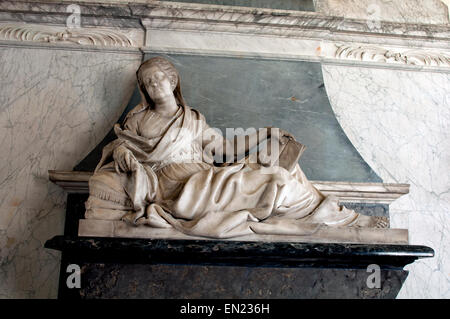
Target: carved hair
[{"x": 167, "y": 67}]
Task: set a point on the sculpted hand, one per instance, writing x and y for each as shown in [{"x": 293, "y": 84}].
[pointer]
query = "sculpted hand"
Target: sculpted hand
[
  {"x": 123, "y": 158},
  {"x": 286, "y": 135},
  {"x": 282, "y": 135}
]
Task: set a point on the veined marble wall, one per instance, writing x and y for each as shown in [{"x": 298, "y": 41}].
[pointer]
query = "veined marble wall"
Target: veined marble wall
[
  {"x": 55, "y": 106},
  {"x": 399, "y": 121},
  {"x": 402, "y": 11}
]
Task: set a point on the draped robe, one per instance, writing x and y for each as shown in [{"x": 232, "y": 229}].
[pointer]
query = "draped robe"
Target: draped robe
[{"x": 173, "y": 184}]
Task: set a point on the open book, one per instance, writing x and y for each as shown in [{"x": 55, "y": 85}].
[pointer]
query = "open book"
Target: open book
[
  {"x": 290, "y": 153},
  {"x": 287, "y": 155}
]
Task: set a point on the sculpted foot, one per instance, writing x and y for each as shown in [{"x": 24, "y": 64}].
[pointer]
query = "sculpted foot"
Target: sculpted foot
[
  {"x": 371, "y": 222},
  {"x": 132, "y": 217}
]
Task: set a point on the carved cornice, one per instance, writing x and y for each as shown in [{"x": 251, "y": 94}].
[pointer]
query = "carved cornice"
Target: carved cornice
[
  {"x": 79, "y": 36},
  {"x": 200, "y": 29},
  {"x": 277, "y": 22},
  {"x": 290, "y": 35},
  {"x": 225, "y": 18}
]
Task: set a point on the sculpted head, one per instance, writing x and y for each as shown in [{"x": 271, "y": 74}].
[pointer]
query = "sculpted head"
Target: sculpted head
[{"x": 158, "y": 78}]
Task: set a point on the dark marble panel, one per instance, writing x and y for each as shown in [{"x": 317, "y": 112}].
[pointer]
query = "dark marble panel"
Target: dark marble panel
[
  {"x": 108, "y": 281},
  {"x": 370, "y": 209},
  {"x": 74, "y": 212},
  {"x": 300, "y": 5}
]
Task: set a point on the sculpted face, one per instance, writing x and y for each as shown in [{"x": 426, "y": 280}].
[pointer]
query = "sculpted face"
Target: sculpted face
[{"x": 158, "y": 85}]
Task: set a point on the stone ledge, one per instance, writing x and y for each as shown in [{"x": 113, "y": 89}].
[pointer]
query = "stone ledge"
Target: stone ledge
[
  {"x": 128, "y": 14},
  {"x": 217, "y": 252},
  {"x": 383, "y": 193}
]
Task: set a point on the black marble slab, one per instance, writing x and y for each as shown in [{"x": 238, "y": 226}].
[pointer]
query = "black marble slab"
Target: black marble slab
[
  {"x": 131, "y": 281},
  {"x": 235, "y": 253},
  {"x": 142, "y": 268}
]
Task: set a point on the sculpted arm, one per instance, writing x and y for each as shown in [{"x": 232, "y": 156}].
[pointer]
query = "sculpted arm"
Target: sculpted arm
[
  {"x": 122, "y": 156},
  {"x": 214, "y": 144}
]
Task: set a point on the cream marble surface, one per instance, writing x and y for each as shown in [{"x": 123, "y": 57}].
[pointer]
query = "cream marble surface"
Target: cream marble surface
[
  {"x": 403, "y": 11},
  {"x": 55, "y": 106},
  {"x": 399, "y": 121}
]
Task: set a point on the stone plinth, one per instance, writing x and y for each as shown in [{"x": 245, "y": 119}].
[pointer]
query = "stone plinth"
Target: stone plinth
[
  {"x": 318, "y": 234},
  {"x": 146, "y": 268}
]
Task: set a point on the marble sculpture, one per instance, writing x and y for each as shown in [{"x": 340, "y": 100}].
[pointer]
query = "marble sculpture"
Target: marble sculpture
[{"x": 162, "y": 171}]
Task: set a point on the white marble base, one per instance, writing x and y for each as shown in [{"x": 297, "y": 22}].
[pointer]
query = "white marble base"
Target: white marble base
[{"x": 105, "y": 228}]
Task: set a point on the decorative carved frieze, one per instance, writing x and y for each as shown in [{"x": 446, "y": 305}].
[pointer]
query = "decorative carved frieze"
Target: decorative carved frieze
[
  {"x": 379, "y": 54},
  {"x": 80, "y": 36},
  {"x": 200, "y": 29}
]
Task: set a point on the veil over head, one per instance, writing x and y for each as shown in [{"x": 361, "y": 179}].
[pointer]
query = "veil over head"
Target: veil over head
[{"x": 169, "y": 69}]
